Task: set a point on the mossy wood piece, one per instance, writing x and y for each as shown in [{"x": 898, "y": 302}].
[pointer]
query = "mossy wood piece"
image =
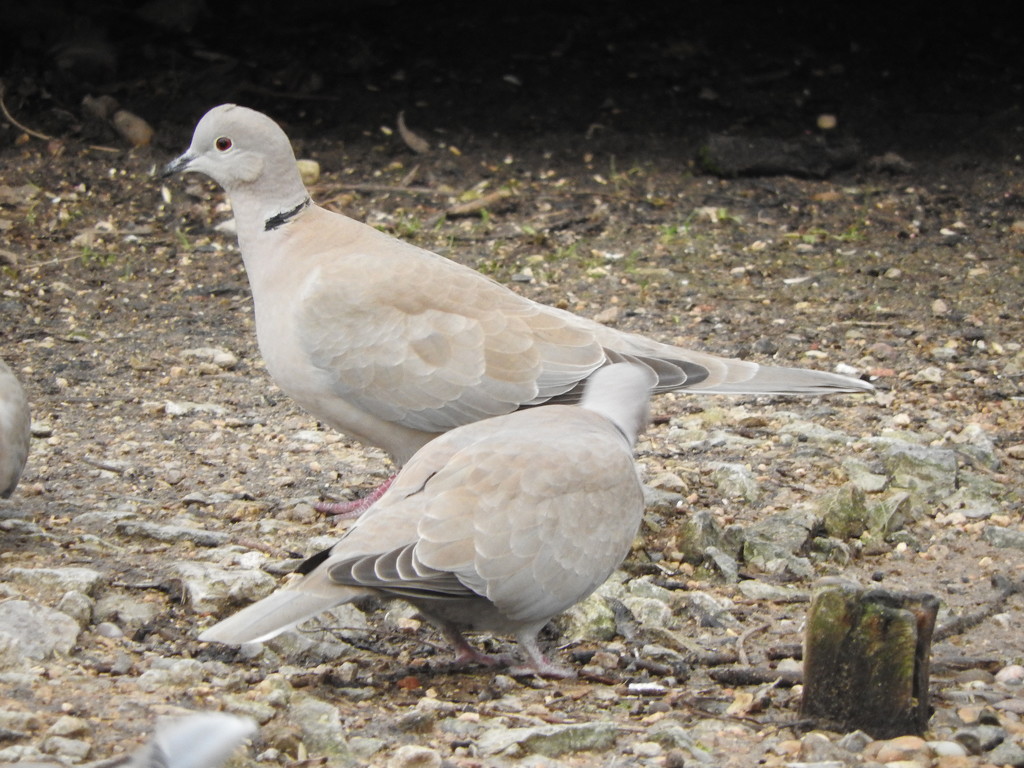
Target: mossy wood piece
[{"x": 866, "y": 660}]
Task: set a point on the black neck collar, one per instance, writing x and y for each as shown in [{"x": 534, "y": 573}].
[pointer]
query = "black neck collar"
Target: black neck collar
[{"x": 284, "y": 217}]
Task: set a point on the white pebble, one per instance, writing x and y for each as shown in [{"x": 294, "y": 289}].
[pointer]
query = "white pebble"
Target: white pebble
[
  {"x": 1011, "y": 675},
  {"x": 414, "y": 756}
]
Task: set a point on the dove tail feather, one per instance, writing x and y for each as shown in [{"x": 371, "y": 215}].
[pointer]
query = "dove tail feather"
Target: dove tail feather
[
  {"x": 772, "y": 380},
  {"x": 275, "y": 614},
  {"x": 203, "y": 740},
  {"x": 620, "y": 393}
]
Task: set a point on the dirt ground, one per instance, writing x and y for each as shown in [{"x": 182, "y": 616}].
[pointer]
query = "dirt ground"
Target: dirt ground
[{"x": 585, "y": 146}]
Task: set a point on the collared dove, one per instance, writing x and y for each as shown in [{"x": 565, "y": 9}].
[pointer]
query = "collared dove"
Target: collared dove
[
  {"x": 497, "y": 525},
  {"x": 393, "y": 344},
  {"x": 15, "y": 425}
]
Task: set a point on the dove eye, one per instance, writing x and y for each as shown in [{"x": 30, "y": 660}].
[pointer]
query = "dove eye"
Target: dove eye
[{"x": 223, "y": 144}]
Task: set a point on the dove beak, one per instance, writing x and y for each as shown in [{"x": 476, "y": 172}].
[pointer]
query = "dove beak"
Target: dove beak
[{"x": 177, "y": 166}]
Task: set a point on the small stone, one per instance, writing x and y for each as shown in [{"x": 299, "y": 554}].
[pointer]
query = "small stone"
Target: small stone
[
  {"x": 817, "y": 748},
  {"x": 980, "y": 738},
  {"x": 1014, "y": 705},
  {"x": 969, "y": 715},
  {"x": 697, "y": 533},
  {"x": 912, "y": 748},
  {"x": 187, "y": 407},
  {"x": 975, "y": 675},
  {"x": 366, "y": 747},
  {"x": 504, "y": 683},
  {"x": 171, "y": 533},
  {"x": 928, "y": 375},
  {"x": 66, "y": 725},
  {"x": 669, "y": 481},
  {"x": 862, "y": 476},
  {"x": 1012, "y": 674},
  {"x": 726, "y": 564},
  {"x": 787, "y": 748},
  {"x": 855, "y": 741},
  {"x": 109, "y": 629},
  {"x": 11, "y": 720},
  {"x": 414, "y": 756},
  {"x": 827, "y": 121},
  {"x": 549, "y": 740},
  {"x": 882, "y": 351},
  {"x": 940, "y": 307},
  {"x": 763, "y": 591},
  {"x": 607, "y": 316},
  {"x": 647, "y": 749},
  {"x": 1007, "y": 753},
  {"x": 78, "y": 606},
  {"x": 778, "y": 536},
  {"x": 309, "y": 170},
  {"x": 37, "y": 631},
  {"x": 73, "y": 749},
  {"x": 221, "y": 358},
  {"x": 126, "y": 610},
  {"x": 213, "y": 590},
  {"x": 947, "y": 749},
  {"x": 1004, "y": 538},
  {"x": 650, "y": 613},
  {"x": 591, "y": 619},
  {"x": 321, "y": 727},
  {"x": 132, "y": 128},
  {"x": 52, "y": 583},
  {"x": 735, "y": 480}
]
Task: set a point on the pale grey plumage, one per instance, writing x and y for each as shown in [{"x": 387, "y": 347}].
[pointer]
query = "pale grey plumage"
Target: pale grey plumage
[
  {"x": 15, "y": 430},
  {"x": 202, "y": 740},
  {"x": 393, "y": 344},
  {"x": 496, "y": 525}
]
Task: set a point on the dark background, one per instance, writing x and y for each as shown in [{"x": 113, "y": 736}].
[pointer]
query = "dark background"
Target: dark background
[{"x": 903, "y": 77}]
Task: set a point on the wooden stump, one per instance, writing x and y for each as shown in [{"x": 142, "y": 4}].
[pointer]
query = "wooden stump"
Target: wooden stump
[{"x": 866, "y": 660}]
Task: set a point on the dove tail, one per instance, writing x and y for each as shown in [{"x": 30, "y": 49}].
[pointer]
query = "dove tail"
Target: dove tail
[
  {"x": 203, "y": 740},
  {"x": 275, "y": 614},
  {"x": 620, "y": 393}
]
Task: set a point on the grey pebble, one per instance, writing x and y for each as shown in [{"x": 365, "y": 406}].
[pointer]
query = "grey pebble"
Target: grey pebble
[
  {"x": 37, "y": 631},
  {"x": 1007, "y": 753},
  {"x": 52, "y": 583}
]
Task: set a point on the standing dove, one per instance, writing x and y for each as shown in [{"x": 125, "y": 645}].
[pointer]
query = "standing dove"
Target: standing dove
[
  {"x": 15, "y": 425},
  {"x": 393, "y": 344},
  {"x": 497, "y": 525}
]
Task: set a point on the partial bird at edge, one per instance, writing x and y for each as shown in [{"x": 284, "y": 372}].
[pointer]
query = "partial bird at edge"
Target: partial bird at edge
[{"x": 15, "y": 430}]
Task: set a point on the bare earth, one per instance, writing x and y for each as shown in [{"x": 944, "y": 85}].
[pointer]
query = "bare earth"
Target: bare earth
[{"x": 119, "y": 300}]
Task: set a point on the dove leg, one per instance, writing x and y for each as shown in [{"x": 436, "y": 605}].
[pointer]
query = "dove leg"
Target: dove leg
[
  {"x": 353, "y": 508},
  {"x": 538, "y": 664},
  {"x": 466, "y": 653}
]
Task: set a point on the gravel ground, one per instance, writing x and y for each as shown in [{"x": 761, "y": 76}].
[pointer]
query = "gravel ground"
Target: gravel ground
[{"x": 170, "y": 481}]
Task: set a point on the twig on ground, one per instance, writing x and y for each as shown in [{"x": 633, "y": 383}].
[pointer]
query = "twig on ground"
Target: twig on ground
[
  {"x": 755, "y": 676},
  {"x": 740, "y": 650},
  {"x": 38, "y": 134},
  {"x": 968, "y": 621}
]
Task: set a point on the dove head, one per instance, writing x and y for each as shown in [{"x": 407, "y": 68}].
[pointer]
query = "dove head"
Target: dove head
[
  {"x": 245, "y": 152},
  {"x": 620, "y": 393}
]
